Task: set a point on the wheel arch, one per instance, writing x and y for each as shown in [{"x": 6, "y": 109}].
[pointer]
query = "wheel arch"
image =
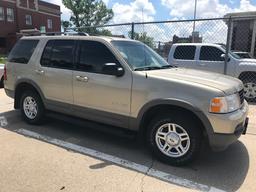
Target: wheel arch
[
  {"x": 24, "y": 85},
  {"x": 155, "y": 107},
  {"x": 247, "y": 74}
]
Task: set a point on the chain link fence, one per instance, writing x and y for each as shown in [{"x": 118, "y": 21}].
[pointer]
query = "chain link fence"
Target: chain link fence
[{"x": 233, "y": 36}]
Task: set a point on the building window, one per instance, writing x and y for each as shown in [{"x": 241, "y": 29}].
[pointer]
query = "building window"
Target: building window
[
  {"x": 28, "y": 20},
  {"x": 1, "y": 13},
  {"x": 10, "y": 14},
  {"x": 49, "y": 23}
]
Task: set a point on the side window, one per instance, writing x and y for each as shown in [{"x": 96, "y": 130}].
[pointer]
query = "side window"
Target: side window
[
  {"x": 208, "y": 53},
  {"x": 185, "y": 52},
  {"x": 22, "y": 51},
  {"x": 58, "y": 54},
  {"x": 93, "y": 55},
  {"x": 46, "y": 57}
]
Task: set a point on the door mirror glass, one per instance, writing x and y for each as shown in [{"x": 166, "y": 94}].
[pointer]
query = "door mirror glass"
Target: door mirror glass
[{"x": 112, "y": 69}]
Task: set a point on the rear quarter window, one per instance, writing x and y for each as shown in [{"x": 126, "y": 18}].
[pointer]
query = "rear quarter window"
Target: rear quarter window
[
  {"x": 22, "y": 51},
  {"x": 185, "y": 52}
]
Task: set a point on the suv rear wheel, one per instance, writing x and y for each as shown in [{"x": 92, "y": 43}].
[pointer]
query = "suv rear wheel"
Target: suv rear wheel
[
  {"x": 32, "y": 108},
  {"x": 174, "y": 140}
]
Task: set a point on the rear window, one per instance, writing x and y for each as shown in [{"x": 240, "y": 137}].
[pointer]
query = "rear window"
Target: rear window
[
  {"x": 22, "y": 51},
  {"x": 185, "y": 52}
]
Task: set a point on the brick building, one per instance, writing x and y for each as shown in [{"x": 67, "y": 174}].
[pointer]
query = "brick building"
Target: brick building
[{"x": 19, "y": 15}]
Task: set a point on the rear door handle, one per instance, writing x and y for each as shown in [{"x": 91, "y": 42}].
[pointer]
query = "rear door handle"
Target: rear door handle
[
  {"x": 82, "y": 78},
  {"x": 202, "y": 64},
  {"x": 39, "y": 72}
]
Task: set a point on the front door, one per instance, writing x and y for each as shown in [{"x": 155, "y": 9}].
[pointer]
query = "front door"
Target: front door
[{"x": 98, "y": 96}]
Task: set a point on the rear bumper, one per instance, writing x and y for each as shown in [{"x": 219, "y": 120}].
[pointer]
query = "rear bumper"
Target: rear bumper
[{"x": 219, "y": 141}]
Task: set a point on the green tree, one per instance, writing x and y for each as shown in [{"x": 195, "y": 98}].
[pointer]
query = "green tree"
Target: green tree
[
  {"x": 88, "y": 13},
  {"x": 65, "y": 24},
  {"x": 143, "y": 37}
]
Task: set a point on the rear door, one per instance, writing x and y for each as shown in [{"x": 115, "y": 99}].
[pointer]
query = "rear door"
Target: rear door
[
  {"x": 56, "y": 72},
  {"x": 210, "y": 59},
  {"x": 184, "y": 56}
]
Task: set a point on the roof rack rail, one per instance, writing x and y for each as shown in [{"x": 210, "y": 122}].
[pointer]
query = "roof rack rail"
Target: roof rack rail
[{"x": 38, "y": 33}]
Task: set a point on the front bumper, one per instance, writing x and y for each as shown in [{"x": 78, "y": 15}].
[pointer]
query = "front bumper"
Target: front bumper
[
  {"x": 227, "y": 128},
  {"x": 220, "y": 141}
]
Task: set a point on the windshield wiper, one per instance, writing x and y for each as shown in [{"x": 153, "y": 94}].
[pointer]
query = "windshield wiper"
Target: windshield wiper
[
  {"x": 168, "y": 66},
  {"x": 147, "y": 68}
]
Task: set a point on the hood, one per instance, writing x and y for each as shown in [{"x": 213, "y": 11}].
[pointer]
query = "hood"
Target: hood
[
  {"x": 248, "y": 61},
  {"x": 227, "y": 84}
]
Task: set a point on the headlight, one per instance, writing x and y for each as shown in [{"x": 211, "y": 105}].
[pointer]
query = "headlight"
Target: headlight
[{"x": 225, "y": 104}]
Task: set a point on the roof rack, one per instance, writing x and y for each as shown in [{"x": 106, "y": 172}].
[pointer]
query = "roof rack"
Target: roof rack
[{"x": 38, "y": 33}]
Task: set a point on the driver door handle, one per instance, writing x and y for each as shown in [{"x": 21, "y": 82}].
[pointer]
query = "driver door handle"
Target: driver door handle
[
  {"x": 39, "y": 72},
  {"x": 82, "y": 78}
]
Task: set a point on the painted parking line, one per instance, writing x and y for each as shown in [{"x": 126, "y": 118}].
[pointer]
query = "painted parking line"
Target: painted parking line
[{"x": 122, "y": 162}]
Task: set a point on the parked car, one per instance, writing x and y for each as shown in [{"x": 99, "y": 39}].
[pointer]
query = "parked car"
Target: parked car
[
  {"x": 243, "y": 55},
  {"x": 211, "y": 57},
  {"x": 1, "y": 75},
  {"x": 123, "y": 83}
]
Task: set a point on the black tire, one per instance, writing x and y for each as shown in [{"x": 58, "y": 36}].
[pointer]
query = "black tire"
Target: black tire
[
  {"x": 189, "y": 125},
  {"x": 252, "y": 81},
  {"x": 39, "y": 117},
  {"x": 2, "y": 82}
]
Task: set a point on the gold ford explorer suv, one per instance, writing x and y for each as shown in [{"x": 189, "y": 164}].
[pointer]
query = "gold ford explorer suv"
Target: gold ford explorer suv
[{"x": 123, "y": 83}]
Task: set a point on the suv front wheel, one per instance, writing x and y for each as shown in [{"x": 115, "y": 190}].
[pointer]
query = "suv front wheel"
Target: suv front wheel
[
  {"x": 174, "y": 140},
  {"x": 32, "y": 108},
  {"x": 249, "y": 89}
]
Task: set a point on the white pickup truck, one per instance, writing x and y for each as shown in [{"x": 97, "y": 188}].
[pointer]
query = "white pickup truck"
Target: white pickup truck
[
  {"x": 211, "y": 57},
  {"x": 1, "y": 75}
]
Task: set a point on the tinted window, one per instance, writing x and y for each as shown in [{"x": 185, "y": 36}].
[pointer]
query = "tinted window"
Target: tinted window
[
  {"x": 46, "y": 57},
  {"x": 185, "y": 52},
  {"x": 22, "y": 51},
  {"x": 59, "y": 54},
  {"x": 93, "y": 55},
  {"x": 211, "y": 54}
]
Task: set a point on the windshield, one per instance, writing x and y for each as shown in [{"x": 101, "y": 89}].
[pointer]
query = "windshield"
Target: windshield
[
  {"x": 231, "y": 53},
  {"x": 139, "y": 56},
  {"x": 234, "y": 55}
]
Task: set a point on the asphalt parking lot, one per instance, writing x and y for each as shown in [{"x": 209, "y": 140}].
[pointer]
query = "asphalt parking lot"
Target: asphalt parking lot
[{"x": 65, "y": 156}]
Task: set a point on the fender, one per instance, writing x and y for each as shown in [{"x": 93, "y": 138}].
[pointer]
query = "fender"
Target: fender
[{"x": 136, "y": 123}]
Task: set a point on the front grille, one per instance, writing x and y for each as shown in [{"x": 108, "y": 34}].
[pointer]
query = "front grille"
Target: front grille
[{"x": 241, "y": 95}]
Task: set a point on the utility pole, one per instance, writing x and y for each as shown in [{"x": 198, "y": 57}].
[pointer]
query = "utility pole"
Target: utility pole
[{"x": 194, "y": 24}]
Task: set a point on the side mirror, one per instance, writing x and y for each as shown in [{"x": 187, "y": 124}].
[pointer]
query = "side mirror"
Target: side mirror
[
  {"x": 223, "y": 56},
  {"x": 113, "y": 69}
]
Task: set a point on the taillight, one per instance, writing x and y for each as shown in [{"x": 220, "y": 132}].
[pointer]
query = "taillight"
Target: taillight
[{"x": 5, "y": 73}]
